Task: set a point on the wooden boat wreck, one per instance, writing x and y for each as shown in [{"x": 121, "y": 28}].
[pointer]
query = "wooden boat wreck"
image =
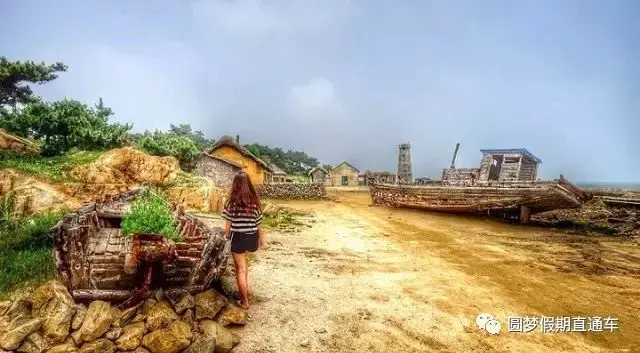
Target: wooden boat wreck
[
  {"x": 90, "y": 252},
  {"x": 504, "y": 185}
]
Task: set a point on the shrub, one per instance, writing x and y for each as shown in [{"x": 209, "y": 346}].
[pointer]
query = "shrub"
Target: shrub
[
  {"x": 150, "y": 214},
  {"x": 161, "y": 143}
]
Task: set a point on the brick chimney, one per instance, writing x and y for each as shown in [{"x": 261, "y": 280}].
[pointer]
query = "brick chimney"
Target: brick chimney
[{"x": 238, "y": 138}]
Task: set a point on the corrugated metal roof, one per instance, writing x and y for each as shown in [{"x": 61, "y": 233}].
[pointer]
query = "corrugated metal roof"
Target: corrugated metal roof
[{"x": 513, "y": 150}]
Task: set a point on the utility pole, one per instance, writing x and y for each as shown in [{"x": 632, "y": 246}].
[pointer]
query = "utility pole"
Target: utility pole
[{"x": 455, "y": 154}]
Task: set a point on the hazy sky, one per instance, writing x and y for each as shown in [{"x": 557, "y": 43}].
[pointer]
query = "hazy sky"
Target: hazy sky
[{"x": 351, "y": 79}]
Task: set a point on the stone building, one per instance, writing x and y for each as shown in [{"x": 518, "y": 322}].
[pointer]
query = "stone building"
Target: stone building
[
  {"x": 319, "y": 175},
  {"x": 230, "y": 149},
  {"x": 278, "y": 175},
  {"x": 405, "y": 175},
  {"x": 344, "y": 175},
  {"x": 378, "y": 178},
  {"x": 496, "y": 165},
  {"x": 221, "y": 171}
]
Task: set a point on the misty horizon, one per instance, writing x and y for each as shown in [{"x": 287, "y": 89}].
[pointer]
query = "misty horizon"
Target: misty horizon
[{"x": 348, "y": 80}]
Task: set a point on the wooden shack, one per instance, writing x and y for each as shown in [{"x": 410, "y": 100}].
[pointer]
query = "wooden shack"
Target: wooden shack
[
  {"x": 318, "y": 175},
  {"x": 230, "y": 149},
  {"x": 90, "y": 251},
  {"x": 278, "y": 175},
  {"x": 220, "y": 170}
]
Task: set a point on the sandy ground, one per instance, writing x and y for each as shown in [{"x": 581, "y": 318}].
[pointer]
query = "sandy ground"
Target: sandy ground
[{"x": 371, "y": 279}]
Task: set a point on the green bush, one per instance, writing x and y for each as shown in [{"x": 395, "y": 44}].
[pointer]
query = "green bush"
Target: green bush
[
  {"x": 49, "y": 168},
  {"x": 26, "y": 248},
  {"x": 161, "y": 143},
  {"x": 150, "y": 214}
]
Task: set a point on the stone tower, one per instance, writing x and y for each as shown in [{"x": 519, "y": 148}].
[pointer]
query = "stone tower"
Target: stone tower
[{"x": 404, "y": 164}]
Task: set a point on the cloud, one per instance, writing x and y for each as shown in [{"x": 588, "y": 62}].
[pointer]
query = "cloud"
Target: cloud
[
  {"x": 314, "y": 100},
  {"x": 268, "y": 18}
]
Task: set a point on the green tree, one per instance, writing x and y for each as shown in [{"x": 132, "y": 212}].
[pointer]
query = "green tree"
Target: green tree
[
  {"x": 196, "y": 136},
  {"x": 16, "y": 75},
  {"x": 65, "y": 124},
  {"x": 161, "y": 143}
]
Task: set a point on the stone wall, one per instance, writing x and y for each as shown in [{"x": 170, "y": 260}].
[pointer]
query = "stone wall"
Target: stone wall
[
  {"x": 213, "y": 168},
  {"x": 291, "y": 191},
  {"x": 460, "y": 176}
]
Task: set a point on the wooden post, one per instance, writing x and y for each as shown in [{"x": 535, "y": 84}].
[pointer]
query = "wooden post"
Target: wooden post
[{"x": 525, "y": 214}]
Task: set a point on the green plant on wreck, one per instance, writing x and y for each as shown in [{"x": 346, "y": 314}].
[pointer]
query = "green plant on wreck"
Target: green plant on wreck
[{"x": 150, "y": 214}]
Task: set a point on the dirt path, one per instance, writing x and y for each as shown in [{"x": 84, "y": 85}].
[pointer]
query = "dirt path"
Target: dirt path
[{"x": 370, "y": 279}]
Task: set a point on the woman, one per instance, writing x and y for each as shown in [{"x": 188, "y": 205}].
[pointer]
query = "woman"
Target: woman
[{"x": 244, "y": 215}]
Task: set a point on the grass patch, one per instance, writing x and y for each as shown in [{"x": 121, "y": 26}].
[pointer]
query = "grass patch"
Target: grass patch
[
  {"x": 187, "y": 180},
  {"x": 49, "y": 168},
  {"x": 283, "y": 219},
  {"x": 27, "y": 249}
]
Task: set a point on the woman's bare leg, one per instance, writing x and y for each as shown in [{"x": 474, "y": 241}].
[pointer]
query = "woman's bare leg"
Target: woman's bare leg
[{"x": 241, "y": 278}]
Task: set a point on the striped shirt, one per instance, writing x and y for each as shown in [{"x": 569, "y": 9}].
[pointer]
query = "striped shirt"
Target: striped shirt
[{"x": 243, "y": 220}]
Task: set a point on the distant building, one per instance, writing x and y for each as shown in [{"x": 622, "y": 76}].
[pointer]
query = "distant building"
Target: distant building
[
  {"x": 230, "y": 150},
  {"x": 221, "y": 171},
  {"x": 344, "y": 175},
  {"x": 405, "y": 174},
  {"x": 370, "y": 177},
  {"x": 496, "y": 165},
  {"x": 278, "y": 175},
  {"x": 318, "y": 175}
]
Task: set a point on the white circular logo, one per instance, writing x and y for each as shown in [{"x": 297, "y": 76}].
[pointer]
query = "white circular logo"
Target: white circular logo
[
  {"x": 493, "y": 327},
  {"x": 482, "y": 319}
]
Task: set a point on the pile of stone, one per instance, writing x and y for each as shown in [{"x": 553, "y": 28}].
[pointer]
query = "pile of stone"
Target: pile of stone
[
  {"x": 292, "y": 191},
  {"x": 48, "y": 320}
]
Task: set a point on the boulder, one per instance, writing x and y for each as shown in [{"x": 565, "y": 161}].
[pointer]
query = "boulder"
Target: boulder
[
  {"x": 161, "y": 315},
  {"x": 78, "y": 316},
  {"x": 53, "y": 304},
  {"x": 208, "y": 304},
  {"x": 113, "y": 334},
  {"x": 101, "y": 345},
  {"x": 34, "y": 343},
  {"x": 129, "y": 314},
  {"x": 232, "y": 314},
  {"x": 131, "y": 337},
  {"x": 202, "y": 344},
  {"x": 141, "y": 350},
  {"x": 180, "y": 299},
  {"x": 116, "y": 314},
  {"x": 173, "y": 339},
  {"x": 96, "y": 323},
  {"x": 190, "y": 318},
  {"x": 17, "y": 330},
  {"x": 67, "y": 347},
  {"x": 148, "y": 304},
  {"x": 223, "y": 338}
]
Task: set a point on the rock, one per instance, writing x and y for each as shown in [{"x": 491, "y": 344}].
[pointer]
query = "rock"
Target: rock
[
  {"x": 116, "y": 314},
  {"x": 305, "y": 343},
  {"x": 17, "y": 330},
  {"x": 232, "y": 314},
  {"x": 131, "y": 337},
  {"x": 148, "y": 304},
  {"x": 190, "y": 318},
  {"x": 138, "y": 318},
  {"x": 180, "y": 299},
  {"x": 78, "y": 317},
  {"x": 160, "y": 316},
  {"x": 4, "y": 306},
  {"x": 320, "y": 330},
  {"x": 101, "y": 345},
  {"x": 159, "y": 294},
  {"x": 141, "y": 350},
  {"x": 129, "y": 314},
  {"x": 53, "y": 304},
  {"x": 202, "y": 344},
  {"x": 208, "y": 304},
  {"x": 34, "y": 343},
  {"x": 173, "y": 339},
  {"x": 20, "y": 309},
  {"x": 113, "y": 334},
  {"x": 224, "y": 339},
  {"x": 63, "y": 348},
  {"x": 96, "y": 323}
]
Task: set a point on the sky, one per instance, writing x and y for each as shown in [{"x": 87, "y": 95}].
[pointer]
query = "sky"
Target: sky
[{"x": 352, "y": 79}]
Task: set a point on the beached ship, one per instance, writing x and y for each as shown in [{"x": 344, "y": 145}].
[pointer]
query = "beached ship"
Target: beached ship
[
  {"x": 505, "y": 184},
  {"x": 91, "y": 254}
]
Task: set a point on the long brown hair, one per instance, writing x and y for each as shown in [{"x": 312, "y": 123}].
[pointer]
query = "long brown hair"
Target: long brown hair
[{"x": 243, "y": 194}]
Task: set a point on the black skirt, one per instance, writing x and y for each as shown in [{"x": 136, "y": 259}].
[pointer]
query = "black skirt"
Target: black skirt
[{"x": 243, "y": 242}]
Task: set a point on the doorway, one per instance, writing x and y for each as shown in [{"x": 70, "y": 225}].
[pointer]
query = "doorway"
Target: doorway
[
  {"x": 494, "y": 169},
  {"x": 345, "y": 180}
]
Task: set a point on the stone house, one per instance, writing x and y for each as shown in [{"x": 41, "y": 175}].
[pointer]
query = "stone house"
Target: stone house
[
  {"x": 378, "y": 177},
  {"x": 501, "y": 165},
  {"x": 220, "y": 170},
  {"x": 278, "y": 175},
  {"x": 229, "y": 149},
  {"x": 344, "y": 175},
  {"x": 319, "y": 175}
]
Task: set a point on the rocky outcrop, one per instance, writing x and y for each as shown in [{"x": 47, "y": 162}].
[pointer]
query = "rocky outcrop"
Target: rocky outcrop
[
  {"x": 292, "y": 191},
  {"x": 47, "y": 320},
  {"x": 127, "y": 166},
  {"x": 9, "y": 142}
]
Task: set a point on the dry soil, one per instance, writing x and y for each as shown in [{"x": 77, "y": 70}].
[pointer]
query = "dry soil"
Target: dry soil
[{"x": 371, "y": 279}]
